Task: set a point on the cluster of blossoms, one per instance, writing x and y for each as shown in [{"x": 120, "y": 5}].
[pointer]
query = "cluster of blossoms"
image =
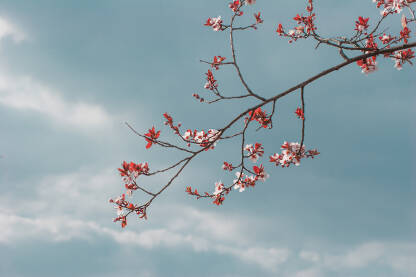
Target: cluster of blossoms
[
  {"x": 151, "y": 137},
  {"x": 215, "y": 23},
  {"x": 392, "y": 6},
  {"x": 120, "y": 202},
  {"x": 227, "y": 166},
  {"x": 201, "y": 138},
  {"x": 235, "y": 7},
  {"x": 292, "y": 154},
  {"x": 122, "y": 205},
  {"x": 403, "y": 56},
  {"x": 386, "y": 39},
  {"x": 260, "y": 116},
  {"x": 217, "y": 195},
  {"x": 169, "y": 122},
  {"x": 260, "y": 173},
  {"x": 244, "y": 181},
  {"x": 211, "y": 83},
  {"x": 254, "y": 152},
  {"x": 219, "y": 188},
  {"x": 405, "y": 34},
  {"x": 129, "y": 173},
  {"x": 306, "y": 25},
  {"x": 369, "y": 65}
]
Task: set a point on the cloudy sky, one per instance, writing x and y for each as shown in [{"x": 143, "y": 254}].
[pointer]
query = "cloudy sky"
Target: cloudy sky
[{"x": 71, "y": 74}]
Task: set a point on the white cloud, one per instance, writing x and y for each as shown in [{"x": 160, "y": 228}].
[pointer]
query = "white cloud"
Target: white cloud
[
  {"x": 79, "y": 195},
  {"x": 8, "y": 29},
  {"x": 268, "y": 258},
  {"x": 406, "y": 264},
  {"x": 15, "y": 229},
  {"x": 158, "y": 238},
  {"x": 401, "y": 257},
  {"x": 310, "y": 256},
  {"x": 26, "y": 94},
  {"x": 63, "y": 205},
  {"x": 74, "y": 206},
  {"x": 359, "y": 257},
  {"x": 311, "y": 272},
  {"x": 208, "y": 224}
]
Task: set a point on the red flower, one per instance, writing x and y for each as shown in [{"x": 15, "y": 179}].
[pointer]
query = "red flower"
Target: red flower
[
  {"x": 227, "y": 166},
  {"x": 123, "y": 222},
  {"x": 298, "y": 18},
  {"x": 260, "y": 116},
  {"x": 235, "y": 6},
  {"x": 151, "y": 136},
  {"x": 309, "y": 8},
  {"x": 299, "y": 113},
  {"x": 218, "y": 200},
  {"x": 280, "y": 30},
  {"x": 370, "y": 43},
  {"x": 361, "y": 24},
  {"x": 260, "y": 173},
  {"x": 385, "y": 39},
  {"x": 404, "y": 34},
  {"x": 190, "y": 192},
  {"x": 211, "y": 83},
  {"x": 215, "y": 23},
  {"x": 258, "y": 18},
  {"x": 125, "y": 169},
  {"x": 217, "y": 62}
]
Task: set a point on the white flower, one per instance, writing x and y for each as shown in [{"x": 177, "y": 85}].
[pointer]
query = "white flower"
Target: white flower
[
  {"x": 237, "y": 182},
  {"x": 391, "y": 6},
  {"x": 240, "y": 186},
  {"x": 212, "y": 134},
  {"x": 187, "y": 135},
  {"x": 119, "y": 210},
  {"x": 199, "y": 137},
  {"x": 219, "y": 186},
  {"x": 248, "y": 147},
  {"x": 254, "y": 158},
  {"x": 216, "y": 23},
  {"x": 127, "y": 180}
]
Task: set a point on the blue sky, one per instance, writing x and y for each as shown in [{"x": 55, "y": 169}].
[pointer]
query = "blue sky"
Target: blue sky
[{"x": 71, "y": 72}]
